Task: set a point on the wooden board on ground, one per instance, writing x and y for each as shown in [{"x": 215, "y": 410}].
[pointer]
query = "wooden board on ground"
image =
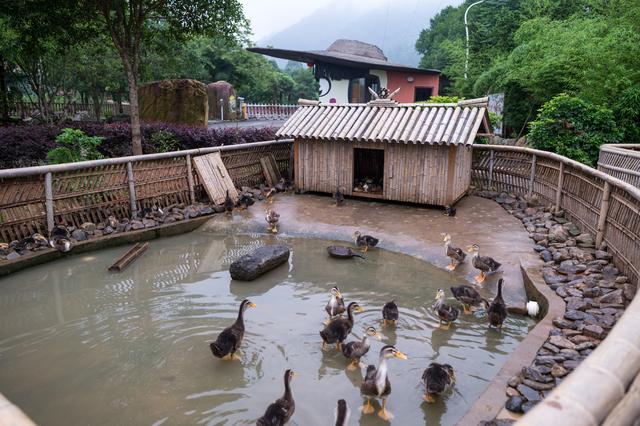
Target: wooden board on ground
[
  {"x": 215, "y": 177},
  {"x": 270, "y": 170}
]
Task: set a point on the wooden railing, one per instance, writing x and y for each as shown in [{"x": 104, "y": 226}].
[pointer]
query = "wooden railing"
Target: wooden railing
[
  {"x": 270, "y": 111},
  {"x": 24, "y": 110},
  {"x": 34, "y": 199},
  {"x": 621, "y": 161}
]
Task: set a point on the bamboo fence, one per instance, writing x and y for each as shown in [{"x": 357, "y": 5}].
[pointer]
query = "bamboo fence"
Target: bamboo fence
[
  {"x": 621, "y": 161},
  {"x": 34, "y": 199},
  {"x": 27, "y": 109}
]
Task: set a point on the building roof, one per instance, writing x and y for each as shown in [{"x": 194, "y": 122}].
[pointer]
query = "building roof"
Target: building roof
[
  {"x": 441, "y": 124},
  {"x": 350, "y": 53}
]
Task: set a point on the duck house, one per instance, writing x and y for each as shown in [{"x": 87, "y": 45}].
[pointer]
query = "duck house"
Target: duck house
[{"x": 417, "y": 153}]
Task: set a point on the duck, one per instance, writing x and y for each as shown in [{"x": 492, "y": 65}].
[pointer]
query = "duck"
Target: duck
[
  {"x": 389, "y": 313},
  {"x": 484, "y": 264},
  {"x": 338, "y": 329},
  {"x": 364, "y": 242},
  {"x": 497, "y": 311},
  {"x": 60, "y": 239},
  {"x": 228, "y": 342},
  {"x": 338, "y": 197},
  {"x": 359, "y": 348},
  {"x": 335, "y": 305},
  {"x": 342, "y": 413},
  {"x": 468, "y": 296},
  {"x": 228, "y": 204},
  {"x": 244, "y": 201},
  {"x": 376, "y": 382},
  {"x": 279, "y": 412},
  {"x": 437, "y": 378},
  {"x": 272, "y": 219},
  {"x": 449, "y": 211},
  {"x": 281, "y": 186},
  {"x": 455, "y": 255},
  {"x": 446, "y": 313},
  {"x": 269, "y": 195}
]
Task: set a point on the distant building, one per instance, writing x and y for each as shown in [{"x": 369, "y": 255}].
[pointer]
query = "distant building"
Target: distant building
[{"x": 348, "y": 67}]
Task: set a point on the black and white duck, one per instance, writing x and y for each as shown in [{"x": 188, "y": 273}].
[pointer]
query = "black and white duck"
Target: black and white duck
[
  {"x": 497, "y": 311},
  {"x": 338, "y": 196},
  {"x": 281, "y": 186},
  {"x": 358, "y": 348},
  {"x": 389, "y": 313},
  {"x": 272, "y": 219},
  {"x": 338, "y": 329},
  {"x": 437, "y": 378},
  {"x": 484, "y": 264},
  {"x": 60, "y": 239},
  {"x": 279, "y": 412},
  {"x": 449, "y": 211},
  {"x": 469, "y": 297},
  {"x": 228, "y": 342},
  {"x": 364, "y": 242},
  {"x": 335, "y": 305},
  {"x": 456, "y": 255},
  {"x": 376, "y": 382},
  {"x": 342, "y": 413},
  {"x": 228, "y": 204},
  {"x": 446, "y": 313}
]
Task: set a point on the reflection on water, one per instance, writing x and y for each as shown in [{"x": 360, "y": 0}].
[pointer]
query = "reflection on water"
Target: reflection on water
[{"x": 81, "y": 346}]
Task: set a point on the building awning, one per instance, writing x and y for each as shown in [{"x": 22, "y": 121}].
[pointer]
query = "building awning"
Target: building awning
[
  {"x": 442, "y": 124},
  {"x": 349, "y": 53}
]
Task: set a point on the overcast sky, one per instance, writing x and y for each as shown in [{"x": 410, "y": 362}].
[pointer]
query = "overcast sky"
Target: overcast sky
[{"x": 271, "y": 16}]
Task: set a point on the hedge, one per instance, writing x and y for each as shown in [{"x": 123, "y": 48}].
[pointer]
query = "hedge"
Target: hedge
[{"x": 27, "y": 145}]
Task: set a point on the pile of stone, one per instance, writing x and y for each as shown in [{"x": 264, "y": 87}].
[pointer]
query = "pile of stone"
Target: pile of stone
[
  {"x": 595, "y": 293},
  {"x": 148, "y": 218}
]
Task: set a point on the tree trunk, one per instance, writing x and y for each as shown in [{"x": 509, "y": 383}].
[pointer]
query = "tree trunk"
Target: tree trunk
[
  {"x": 4, "y": 104},
  {"x": 136, "y": 138}
]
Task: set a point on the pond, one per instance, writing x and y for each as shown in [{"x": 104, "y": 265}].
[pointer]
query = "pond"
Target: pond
[{"x": 79, "y": 345}]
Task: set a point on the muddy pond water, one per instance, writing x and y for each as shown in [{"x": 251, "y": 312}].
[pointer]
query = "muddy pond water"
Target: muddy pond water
[{"x": 79, "y": 345}]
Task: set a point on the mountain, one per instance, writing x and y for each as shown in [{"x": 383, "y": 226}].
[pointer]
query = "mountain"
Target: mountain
[{"x": 393, "y": 26}]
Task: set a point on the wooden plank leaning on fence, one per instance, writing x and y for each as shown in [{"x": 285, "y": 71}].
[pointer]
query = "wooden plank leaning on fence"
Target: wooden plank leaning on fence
[
  {"x": 215, "y": 177},
  {"x": 270, "y": 169}
]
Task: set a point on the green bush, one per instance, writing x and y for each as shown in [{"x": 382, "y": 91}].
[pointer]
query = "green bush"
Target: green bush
[
  {"x": 574, "y": 128},
  {"x": 164, "y": 141},
  {"x": 76, "y": 146},
  {"x": 627, "y": 112},
  {"x": 443, "y": 100}
]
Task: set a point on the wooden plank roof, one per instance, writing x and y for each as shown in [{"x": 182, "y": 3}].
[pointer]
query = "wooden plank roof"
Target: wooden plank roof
[{"x": 443, "y": 124}]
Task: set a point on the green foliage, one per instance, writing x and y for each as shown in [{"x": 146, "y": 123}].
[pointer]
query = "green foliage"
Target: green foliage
[
  {"x": 444, "y": 100},
  {"x": 76, "y": 146},
  {"x": 164, "y": 141},
  {"x": 627, "y": 112},
  {"x": 574, "y": 128}
]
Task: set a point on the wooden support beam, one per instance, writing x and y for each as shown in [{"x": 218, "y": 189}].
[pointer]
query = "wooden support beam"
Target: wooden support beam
[
  {"x": 532, "y": 176},
  {"x": 48, "y": 195},
  {"x": 192, "y": 194},
  {"x": 604, "y": 211},
  {"x": 132, "y": 190},
  {"x": 557, "y": 207},
  {"x": 491, "y": 169},
  {"x": 126, "y": 259}
]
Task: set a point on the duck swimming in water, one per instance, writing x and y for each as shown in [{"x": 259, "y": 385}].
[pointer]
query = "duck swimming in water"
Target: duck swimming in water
[
  {"x": 437, "y": 379},
  {"x": 455, "y": 255},
  {"x": 469, "y": 297},
  {"x": 364, "y": 242},
  {"x": 357, "y": 349},
  {"x": 484, "y": 264},
  {"x": 389, "y": 313},
  {"x": 338, "y": 329},
  {"x": 228, "y": 342},
  {"x": 497, "y": 311},
  {"x": 335, "y": 306},
  {"x": 376, "y": 382},
  {"x": 279, "y": 412},
  {"x": 446, "y": 313}
]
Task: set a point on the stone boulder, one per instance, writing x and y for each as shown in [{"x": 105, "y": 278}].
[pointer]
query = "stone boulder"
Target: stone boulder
[
  {"x": 221, "y": 90},
  {"x": 262, "y": 260},
  {"x": 174, "y": 101}
]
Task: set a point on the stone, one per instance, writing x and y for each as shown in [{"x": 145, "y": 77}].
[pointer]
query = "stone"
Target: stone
[
  {"x": 572, "y": 229},
  {"x": 569, "y": 353},
  {"x": 136, "y": 224},
  {"x": 13, "y": 255},
  {"x": 601, "y": 254},
  {"x": 514, "y": 404},
  {"x": 149, "y": 223},
  {"x": 593, "y": 330},
  {"x": 561, "y": 342},
  {"x": 98, "y": 233},
  {"x": 529, "y": 393},
  {"x": 592, "y": 292},
  {"x": 538, "y": 247},
  {"x": 107, "y": 230},
  {"x": 610, "y": 270},
  {"x": 562, "y": 323},
  {"x": 530, "y": 211},
  {"x": 558, "y": 371},
  {"x": 512, "y": 392},
  {"x": 174, "y": 101},
  {"x": 585, "y": 240},
  {"x": 88, "y": 227},
  {"x": 621, "y": 279},
  {"x": 206, "y": 210},
  {"x": 569, "y": 267},
  {"x": 576, "y": 305},
  {"x": 536, "y": 385},
  {"x": 79, "y": 235},
  {"x": 545, "y": 360},
  {"x": 514, "y": 381},
  {"x": 546, "y": 255},
  {"x": 528, "y": 406},
  {"x": 533, "y": 374},
  {"x": 585, "y": 345},
  {"x": 169, "y": 219},
  {"x": 571, "y": 364},
  {"x": 552, "y": 277},
  {"x": 558, "y": 233},
  {"x": 615, "y": 297},
  {"x": 260, "y": 261},
  {"x": 629, "y": 291},
  {"x": 574, "y": 315}
]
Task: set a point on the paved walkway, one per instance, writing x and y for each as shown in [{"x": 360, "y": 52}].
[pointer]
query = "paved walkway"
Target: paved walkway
[
  {"x": 403, "y": 228},
  {"x": 276, "y": 124}
]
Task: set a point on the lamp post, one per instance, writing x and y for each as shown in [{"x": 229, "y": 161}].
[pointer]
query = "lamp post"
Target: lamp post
[{"x": 466, "y": 29}]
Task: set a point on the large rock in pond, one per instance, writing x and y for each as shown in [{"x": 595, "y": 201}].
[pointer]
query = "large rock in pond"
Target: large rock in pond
[
  {"x": 174, "y": 101},
  {"x": 251, "y": 266},
  {"x": 221, "y": 91}
]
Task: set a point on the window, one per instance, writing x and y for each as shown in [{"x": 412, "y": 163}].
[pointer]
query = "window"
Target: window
[
  {"x": 422, "y": 94},
  {"x": 358, "y": 92}
]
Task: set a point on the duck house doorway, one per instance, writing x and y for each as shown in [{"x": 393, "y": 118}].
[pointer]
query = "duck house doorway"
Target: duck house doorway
[{"x": 368, "y": 171}]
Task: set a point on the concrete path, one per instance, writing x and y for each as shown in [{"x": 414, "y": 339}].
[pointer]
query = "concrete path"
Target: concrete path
[
  {"x": 276, "y": 124},
  {"x": 409, "y": 229}
]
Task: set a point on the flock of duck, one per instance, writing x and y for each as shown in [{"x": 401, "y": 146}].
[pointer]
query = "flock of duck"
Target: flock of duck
[{"x": 437, "y": 378}]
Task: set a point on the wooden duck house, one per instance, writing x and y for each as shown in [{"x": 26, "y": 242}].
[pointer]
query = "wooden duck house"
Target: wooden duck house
[{"x": 418, "y": 153}]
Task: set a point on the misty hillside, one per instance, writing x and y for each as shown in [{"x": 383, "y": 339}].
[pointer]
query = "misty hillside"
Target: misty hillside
[{"x": 348, "y": 19}]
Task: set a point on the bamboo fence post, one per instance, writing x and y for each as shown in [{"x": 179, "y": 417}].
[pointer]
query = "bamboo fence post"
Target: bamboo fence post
[
  {"x": 192, "y": 195},
  {"x": 532, "y": 177},
  {"x": 132, "y": 189},
  {"x": 48, "y": 195},
  {"x": 604, "y": 211},
  {"x": 559, "y": 188},
  {"x": 490, "y": 169}
]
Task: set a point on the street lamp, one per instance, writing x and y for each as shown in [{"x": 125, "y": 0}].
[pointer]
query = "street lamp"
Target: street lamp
[{"x": 466, "y": 29}]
